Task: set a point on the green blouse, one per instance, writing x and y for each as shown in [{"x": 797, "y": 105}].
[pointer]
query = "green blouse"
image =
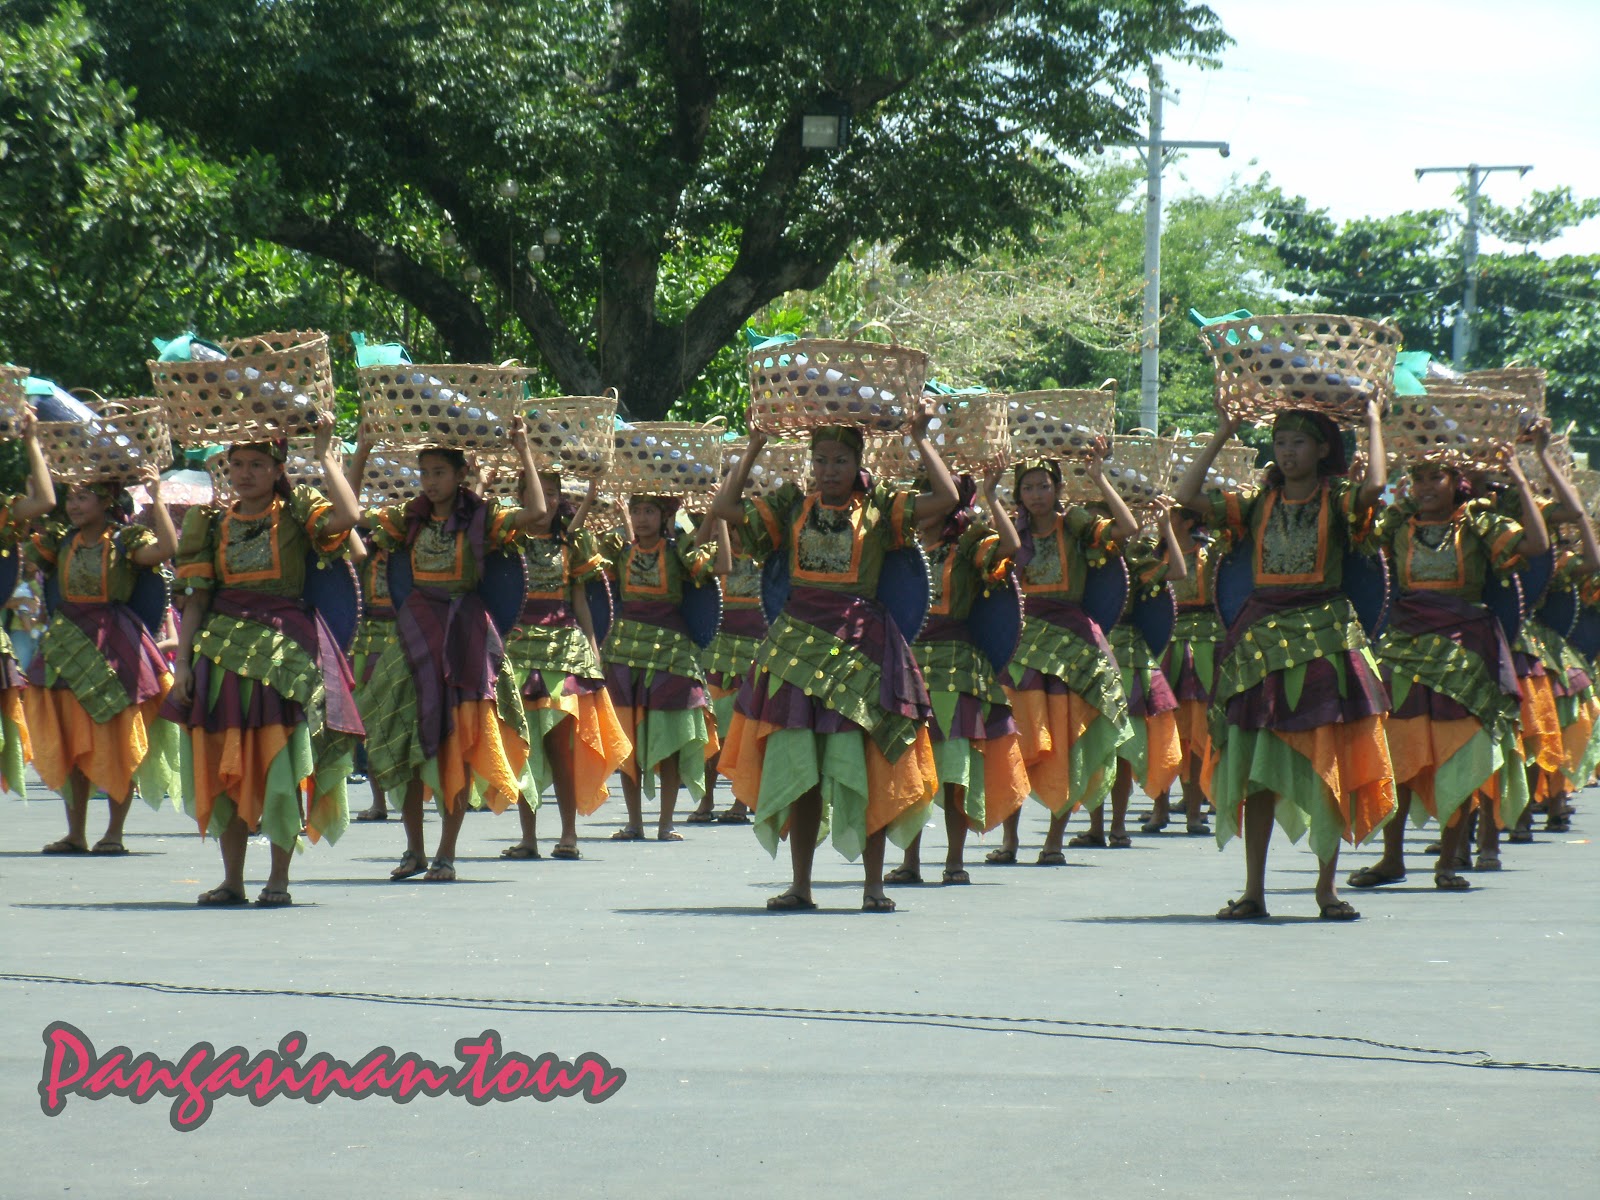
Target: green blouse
[
  {"x": 741, "y": 588},
  {"x": 1453, "y": 556},
  {"x": 959, "y": 571},
  {"x": 1062, "y": 557},
  {"x": 555, "y": 567},
  {"x": 100, "y": 570},
  {"x": 839, "y": 548},
  {"x": 658, "y": 574},
  {"x": 440, "y": 559},
  {"x": 223, "y": 548},
  {"x": 1296, "y": 543}
]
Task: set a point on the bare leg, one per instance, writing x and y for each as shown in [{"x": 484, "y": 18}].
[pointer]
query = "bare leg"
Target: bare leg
[
  {"x": 805, "y": 820},
  {"x": 1392, "y": 865},
  {"x": 1009, "y": 832},
  {"x": 631, "y": 796},
  {"x": 528, "y": 821},
  {"x": 233, "y": 842},
  {"x": 708, "y": 803},
  {"x": 1488, "y": 838},
  {"x": 1258, "y": 814},
  {"x": 76, "y": 801},
  {"x": 117, "y": 818},
  {"x": 955, "y": 832},
  {"x": 872, "y": 859},
  {"x": 1058, "y": 827},
  {"x": 450, "y": 821},
  {"x": 558, "y": 746},
  {"x": 1121, "y": 793},
  {"x": 278, "y": 880},
  {"x": 669, "y": 801},
  {"x": 911, "y": 865},
  {"x": 1160, "y": 812},
  {"x": 1327, "y": 882},
  {"x": 411, "y": 819},
  {"x": 1194, "y": 805},
  {"x": 1456, "y": 835}
]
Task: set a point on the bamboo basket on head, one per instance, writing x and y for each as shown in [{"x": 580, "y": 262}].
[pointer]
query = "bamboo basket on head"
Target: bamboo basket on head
[
  {"x": 125, "y": 437},
  {"x": 1062, "y": 422},
  {"x": 667, "y": 458},
  {"x": 1526, "y": 382},
  {"x": 13, "y": 398},
  {"x": 972, "y": 434},
  {"x": 461, "y": 406},
  {"x": 812, "y": 382},
  {"x": 1455, "y": 426},
  {"x": 780, "y": 463},
  {"x": 1323, "y": 362},
  {"x": 271, "y": 386},
  {"x": 1139, "y": 467},
  {"x": 390, "y": 479},
  {"x": 1560, "y": 455},
  {"x": 1234, "y": 467},
  {"x": 573, "y": 433},
  {"x": 301, "y": 468}
]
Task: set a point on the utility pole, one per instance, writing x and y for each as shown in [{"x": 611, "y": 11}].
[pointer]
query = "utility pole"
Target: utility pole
[
  {"x": 1154, "y": 153},
  {"x": 1461, "y": 331}
]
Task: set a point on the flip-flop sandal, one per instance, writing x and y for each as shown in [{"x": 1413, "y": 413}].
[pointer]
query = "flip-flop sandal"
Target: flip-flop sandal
[
  {"x": 789, "y": 902},
  {"x": 274, "y": 898},
  {"x": 902, "y": 876},
  {"x": 1520, "y": 837},
  {"x": 959, "y": 875},
  {"x": 108, "y": 848},
  {"x": 1487, "y": 862},
  {"x": 64, "y": 847},
  {"x": 1447, "y": 881},
  {"x": 877, "y": 904},
  {"x": 1119, "y": 841},
  {"x": 1082, "y": 840},
  {"x": 371, "y": 814},
  {"x": 521, "y": 851},
  {"x": 1558, "y": 825},
  {"x": 1001, "y": 857},
  {"x": 1371, "y": 877},
  {"x": 443, "y": 870},
  {"x": 670, "y": 835},
  {"x": 733, "y": 818},
  {"x": 1242, "y": 910},
  {"x": 411, "y": 863},
  {"x": 220, "y": 897},
  {"x": 1198, "y": 830},
  {"x": 1153, "y": 826},
  {"x": 1051, "y": 858},
  {"x": 700, "y": 818},
  {"x": 1339, "y": 910},
  {"x": 628, "y": 834},
  {"x": 569, "y": 853}
]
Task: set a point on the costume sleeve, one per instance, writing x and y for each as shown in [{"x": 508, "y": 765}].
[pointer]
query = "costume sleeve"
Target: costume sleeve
[
  {"x": 1500, "y": 536},
  {"x": 699, "y": 562},
  {"x": 1091, "y": 529},
  {"x": 767, "y": 520},
  {"x": 1231, "y": 510},
  {"x": 1147, "y": 566},
  {"x": 499, "y": 532},
  {"x": 314, "y": 513},
  {"x": 197, "y": 550},
  {"x": 611, "y": 548},
  {"x": 44, "y": 547},
  {"x": 1360, "y": 519},
  {"x": 897, "y": 509},
  {"x": 981, "y": 545},
  {"x": 1388, "y": 525},
  {"x": 386, "y": 527},
  {"x": 133, "y": 538},
  {"x": 583, "y": 555}
]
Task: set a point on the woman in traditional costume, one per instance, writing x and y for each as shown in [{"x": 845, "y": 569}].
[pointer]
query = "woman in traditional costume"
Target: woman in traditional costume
[
  {"x": 727, "y": 662},
  {"x": 652, "y": 666},
  {"x": 375, "y": 633},
  {"x": 1064, "y": 685},
  {"x": 976, "y": 749},
  {"x": 1190, "y": 666},
  {"x": 99, "y": 678},
  {"x": 446, "y": 717},
  {"x": 830, "y": 730},
  {"x": 260, "y": 682},
  {"x": 575, "y": 740},
  {"x": 1452, "y": 731},
  {"x": 1298, "y": 718}
]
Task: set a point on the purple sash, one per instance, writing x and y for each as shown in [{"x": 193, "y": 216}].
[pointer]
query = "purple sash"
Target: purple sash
[{"x": 454, "y": 652}]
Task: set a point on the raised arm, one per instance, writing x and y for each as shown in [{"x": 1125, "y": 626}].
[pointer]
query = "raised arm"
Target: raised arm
[
  {"x": 1010, "y": 543},
  {"x": 581, "y": 514},
  {"x": 1177, "y": 564},
  {"x": 1124, "y": 524},
  {"x": 1567, "y": 498},
  {"x": 1377, "y": 461},
  {"x": 346, "y": 510},
  {"x": 166, "y": 543},
  {"x": 40, "y": 497},
  {"x": 728, "y": 504},
  {"x": 356, "y": 465},
  {"x": 1191, "y": 488},
  {"x": 534, "y": 508},
  {"x": 942, "y": 495}
]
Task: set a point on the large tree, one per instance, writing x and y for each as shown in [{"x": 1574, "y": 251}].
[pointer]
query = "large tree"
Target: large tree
[{"x": 425, "y": 145}]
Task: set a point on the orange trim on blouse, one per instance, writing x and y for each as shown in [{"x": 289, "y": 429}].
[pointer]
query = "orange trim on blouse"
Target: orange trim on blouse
[
  {"x": 1424, "y": 585},
  {"x": 853, "y": 572},
  {"x": 1318, "y": 572},
  {"x": 273, "y": 572},
  {"x": 64, "y": 571}
]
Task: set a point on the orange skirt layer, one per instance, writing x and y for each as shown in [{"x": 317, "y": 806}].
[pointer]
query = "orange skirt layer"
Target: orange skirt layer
[
  {"x": 1575, "y": 741},
  {"x": 235, "y": 762},
  {"x": 70, "y": 740},
  {"x": 1542, "y": 744},
  {"x": 1194, "y": 737},
  {"x": 1005, "y": 779},
  {"x": 1353, "y": 760},
  {"x": 892, "y": 787},
  {"x": 1418, "y": 746},
  {"x": 1163, "y": 752},
  {"x": 11, "y": 705},
  {"x": 593, "y": 741},
  {"x": 1049, "y": 724},
  {"x": 481, "y": 744},
  {"x": 628, "y": 721}
]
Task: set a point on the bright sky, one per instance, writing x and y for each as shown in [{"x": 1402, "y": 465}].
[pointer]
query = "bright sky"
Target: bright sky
[{"x": 1340, "y": 102}]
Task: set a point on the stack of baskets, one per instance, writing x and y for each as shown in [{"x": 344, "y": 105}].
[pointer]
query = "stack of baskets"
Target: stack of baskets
[
  {"x": 390, "y": 479},
  {"x": 1526, "y": 382},
  {"x": 1453, "y": 425},
  {"x": 1061, "y": 423},
  {"x": 125, "y": 437},
  {"x": 271, "y": 386},
  {"x": 1233, "y": 469},
  {"x": 1139, "y": 468},
  {"x": 666, "y": 458},
  {"x": 813, "y": 382},
  {"x": 1324, "y": 362},
  {"x": 573, "y": 434},
  {"x": 462, "y": 406},
  {"x": 971, "y": 433}
]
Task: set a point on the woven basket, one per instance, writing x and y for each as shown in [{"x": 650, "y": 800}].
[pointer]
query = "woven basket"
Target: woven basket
[
  {"x": 780, "y": 463},
  {"x": 1560, "y": 455},
  {"x": 126, "y": 436},
  {"x": 1139, "y": 468},
  {"x": 1526, "y": 382},
  {"x": 1060, "y": 423},
  {"x": 814, "y": 382},
  {"x": 271, "y": 386},
  {"x": 573, "y": 433},
  {"x": 1321, "y": 361},
  {"x": 1233, "y": 468},
  {"x": 666, "y": 458},
  {"x": 972, "y": 434},
  {"x": 390, "y": 479},
  {"x": 462, "y": 406},
  {"x": 13, "y": 399},
  {"x": 1454, "y": 426},
  {"x": 301, "y": 468}
]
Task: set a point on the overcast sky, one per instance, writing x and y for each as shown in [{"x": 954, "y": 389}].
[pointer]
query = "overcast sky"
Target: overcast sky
[{"x": 1340, "y": 101}]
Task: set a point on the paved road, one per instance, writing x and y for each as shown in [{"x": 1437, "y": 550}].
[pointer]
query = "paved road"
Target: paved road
[{"x": 1083, "y": 1030}]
